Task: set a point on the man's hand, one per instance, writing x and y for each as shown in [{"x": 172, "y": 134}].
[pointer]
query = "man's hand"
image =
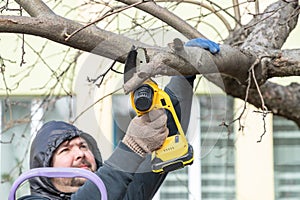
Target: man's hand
[
  {"x": 203, "y": 43},
  {"x": 147, "y": 133}
]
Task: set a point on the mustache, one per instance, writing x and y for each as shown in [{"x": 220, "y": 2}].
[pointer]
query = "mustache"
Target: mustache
[{"x": 83, "y": 163}]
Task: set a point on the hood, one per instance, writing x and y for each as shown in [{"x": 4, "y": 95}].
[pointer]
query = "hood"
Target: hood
[{"x": 47, "y": 139}]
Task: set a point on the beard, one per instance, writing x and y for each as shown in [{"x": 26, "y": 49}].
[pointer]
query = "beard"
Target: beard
[
  {"x": 77, "y": 182},
  {"x": 70, "y": 185}
]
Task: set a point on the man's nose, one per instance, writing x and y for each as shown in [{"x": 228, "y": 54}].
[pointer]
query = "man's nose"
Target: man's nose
[{"x": 78, "y": 153}]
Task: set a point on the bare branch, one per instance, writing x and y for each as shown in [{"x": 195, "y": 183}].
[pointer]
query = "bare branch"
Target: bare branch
[
  {"x": 236, "y": 9},
  {"x": 102, "y": 76},
  {"x": 280, "y": 100},
  {"x": 285, "y": 63},
  {"x": 55, "y": 28},
  {"x": 166, "y": 16},
  {"x": 208, "y": 7},
  {"x": 35, "y": 8}
]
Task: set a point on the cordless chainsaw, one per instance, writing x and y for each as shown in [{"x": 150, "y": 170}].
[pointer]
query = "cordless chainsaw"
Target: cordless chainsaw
[{"x": 175, "y": 152}]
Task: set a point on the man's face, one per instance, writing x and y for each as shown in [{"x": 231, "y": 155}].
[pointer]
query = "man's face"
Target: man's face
[{"x": 73, "y": 153}]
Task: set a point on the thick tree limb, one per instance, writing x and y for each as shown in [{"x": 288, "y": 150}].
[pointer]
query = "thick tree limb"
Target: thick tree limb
[
  {"x": 193, "y": 60},
  {"x": 284, "y": 63},
  {"x": 55, "y": 28},
  {"x": 278, "y": 20}
]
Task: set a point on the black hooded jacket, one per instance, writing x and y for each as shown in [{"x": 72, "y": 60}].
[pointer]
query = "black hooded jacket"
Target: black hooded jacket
[{"x": 125, "y": 174}]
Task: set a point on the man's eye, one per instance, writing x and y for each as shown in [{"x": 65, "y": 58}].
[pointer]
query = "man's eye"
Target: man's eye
[
  {"x": 84, "y": 146},
  {"x": 64, "y": 150}
]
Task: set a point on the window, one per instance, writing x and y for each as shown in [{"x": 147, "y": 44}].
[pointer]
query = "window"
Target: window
[
  {"x": 20, "y": 119},
  {"x": 121, "y": 117},
  {"x": 176, "y": 186},
  {"x": 286, "y": 159},
  {"x": 217, "y": 148}
]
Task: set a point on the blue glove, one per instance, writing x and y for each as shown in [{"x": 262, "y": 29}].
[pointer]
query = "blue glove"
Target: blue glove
[{"x": 203, "y": 43}]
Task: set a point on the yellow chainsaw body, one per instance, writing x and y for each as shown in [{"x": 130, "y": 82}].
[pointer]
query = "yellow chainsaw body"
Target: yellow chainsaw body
[{"x": 175, "y": 152}]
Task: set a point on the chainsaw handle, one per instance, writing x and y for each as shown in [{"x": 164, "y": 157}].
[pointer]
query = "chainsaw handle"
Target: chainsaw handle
[{"x": 52, "y": 172}]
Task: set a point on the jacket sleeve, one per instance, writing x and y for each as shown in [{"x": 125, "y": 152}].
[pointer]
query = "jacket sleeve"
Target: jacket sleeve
[
  {"x": 117, "y": 172},
  {"x": 180, "y": 90},
  {"x": 146, "y": 183}
]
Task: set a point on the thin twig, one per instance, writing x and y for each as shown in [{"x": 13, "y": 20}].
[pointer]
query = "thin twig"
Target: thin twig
[
  {"x": 23, "y": 44},
  {"x": 264, "y": 113},
  {"x": 101, "y": 76},
  {"x": 251, "y": 76},
  {"x": 263, "y": 107},
  {"x": 89, "y": 107}
]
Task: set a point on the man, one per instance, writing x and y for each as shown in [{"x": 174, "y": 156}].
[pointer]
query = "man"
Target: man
[
  {"x": 59, "y": 144},
  {"x": 127, "y": 172}
]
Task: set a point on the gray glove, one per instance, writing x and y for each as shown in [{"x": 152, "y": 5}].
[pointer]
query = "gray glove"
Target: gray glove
[{"x": 147, "y": 133}]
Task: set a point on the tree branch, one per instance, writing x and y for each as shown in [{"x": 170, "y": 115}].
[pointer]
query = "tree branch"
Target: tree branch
[
  {"x": 194, "y": 60},
  {"x": 208, "y": 7},
  {"x": 166, "y": 16},
  {"x": 35, "y": 8},
  {"x": 55, "y": 28},
  {"x": 284, "y": 63},
  {"x": 277, "y": 21},
  {"x": 280, "y": 100}
]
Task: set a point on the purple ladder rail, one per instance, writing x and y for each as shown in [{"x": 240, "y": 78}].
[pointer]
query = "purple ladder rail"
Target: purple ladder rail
[{"x": 51, "y": 172}]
